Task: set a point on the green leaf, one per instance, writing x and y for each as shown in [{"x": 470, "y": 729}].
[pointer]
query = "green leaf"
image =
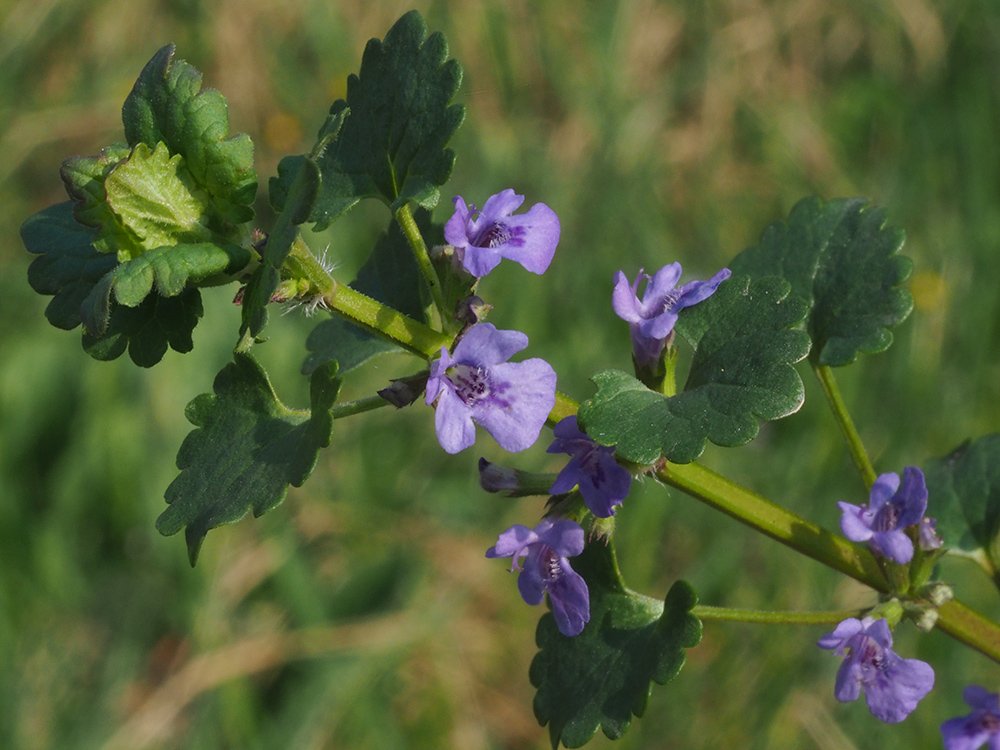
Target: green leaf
[
  {"x": 842, "y": 259},
  {"x": 68, "y": 266},
  {"x": 148, "y": 329},
  {"x": 964, "y": 496},
  {"x": 741, "y": 373},
  {"x": 83, "y": 177},
  {"x": 387, "y": 140},
  {"x": 247, "y": 448},
  {"x": 601, "y": 678},
  {"x": 170, "y": 269},
  {"x": 391, "y": 276},
  {"x": 167, "y": 105},
  {"x": 82, "y": 280},
  {"x": 153, "y": 196},
  {"x": 295, "y": 211}
]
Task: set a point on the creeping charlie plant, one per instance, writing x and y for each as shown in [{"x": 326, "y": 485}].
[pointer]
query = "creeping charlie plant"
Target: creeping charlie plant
[{"x": 154, "y": 221}]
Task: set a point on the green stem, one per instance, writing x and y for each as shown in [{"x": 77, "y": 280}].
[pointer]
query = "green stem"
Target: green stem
[
  {"x": 825, "y": 375},
  {"x": 705, "y": 612},
  {"x": 383, "y": 320},
  {"x": 775, "y": 521},
  {"x": 423, "y": 258},
  {"x": 954, "y": 618},
  {"x": 361, "y": 405}
]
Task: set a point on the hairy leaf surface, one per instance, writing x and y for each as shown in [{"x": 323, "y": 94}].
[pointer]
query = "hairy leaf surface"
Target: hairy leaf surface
[
  {"x": 601, "y": 678},
  {"x": 387, "y": 139},
  {"x": 246, "y": 449}
]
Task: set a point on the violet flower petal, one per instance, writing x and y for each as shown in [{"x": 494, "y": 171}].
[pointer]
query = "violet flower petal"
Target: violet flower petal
[
  {"x": 524, "y": 394},
  {"x": 485, "y": 237}
]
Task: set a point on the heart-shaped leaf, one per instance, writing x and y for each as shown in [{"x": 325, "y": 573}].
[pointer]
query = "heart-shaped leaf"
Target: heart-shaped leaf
[{"x": 741, "y": 373}]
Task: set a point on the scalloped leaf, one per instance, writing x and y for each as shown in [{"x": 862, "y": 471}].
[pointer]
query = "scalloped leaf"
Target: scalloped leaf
[
  {"x": 841, "y": 259},
  {"x": 167, "y": 105},
  {"x": 391, "y": 276},
  {"x": 601, "y": 678},
  {"x": 387, "y": 140},
  {"x": 964, "y": 496},
  {"x": 246, "y": 449},
  {"x": 147, "y": 330},
  {"x": 741, "y": 373},
  {"x": 68, "y": 266}
]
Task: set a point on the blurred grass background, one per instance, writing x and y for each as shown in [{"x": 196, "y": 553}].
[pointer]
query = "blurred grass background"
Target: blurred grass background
[{"x": 361, "y": 613}]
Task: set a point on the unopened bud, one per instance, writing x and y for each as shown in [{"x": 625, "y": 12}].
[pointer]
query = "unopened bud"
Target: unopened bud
[
  {"x": 404, "y": 391},
  {"x": 512, "y": 482}
]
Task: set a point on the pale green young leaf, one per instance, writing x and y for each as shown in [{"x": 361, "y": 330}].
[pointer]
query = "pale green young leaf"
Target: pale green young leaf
[{"x": 167, "y": 105}]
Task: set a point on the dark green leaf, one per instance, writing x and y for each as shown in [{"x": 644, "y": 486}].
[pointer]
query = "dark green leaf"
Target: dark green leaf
[
  {"x": 964, "y": 496},
  {"x": 167, "y": 105},
  {"x": 741, "y": 373},
  {"x": 391, "y": 276},
  {"x": 842, "y": 260},
  {"x": 67, "y": 265},
  {"x": 298, "y": 203},
  {"x": 247, "y": 448},
  {"x": 601, "y": 678},
  {"x": 148, "y": 329},
  {"x": 387, "y": 140}
]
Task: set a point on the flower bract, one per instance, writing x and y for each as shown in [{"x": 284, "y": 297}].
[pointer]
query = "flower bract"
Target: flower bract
[
  {"x": 893, "y": 685},
  {"x": 546, "y": 569},
  {"x": 476, "y": 384},
  {"x": 892, "y": 507},
  {"x": 979, "y": 728},
  {"x": 603, "y": 482},
  {"x": 483, "y": 237},
  {"x": 652, "y": 318}
]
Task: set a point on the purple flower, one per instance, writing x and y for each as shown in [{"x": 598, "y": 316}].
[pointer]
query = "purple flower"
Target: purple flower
[
  {"x": 652, "y": 319},
  {"x": 891, "y": 508},
  {"x": 483, "y": 237},
  {"x": 893, "y": 686},
  {"x": 476, "y": 384},
  {"x": 546, "y": 569},
  {"x": 603, "y": 482},
  {"x": 979, "y": 727}
]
